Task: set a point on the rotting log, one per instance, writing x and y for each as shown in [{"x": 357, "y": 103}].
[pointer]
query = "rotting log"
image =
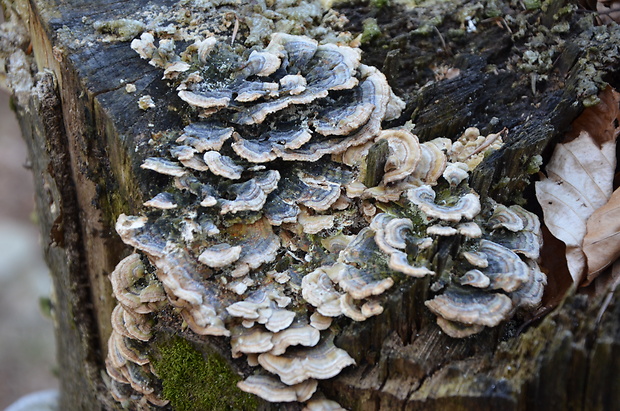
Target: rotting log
[{"x": 85, "y": 132}]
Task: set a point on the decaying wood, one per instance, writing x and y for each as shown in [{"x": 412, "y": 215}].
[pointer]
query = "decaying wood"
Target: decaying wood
[{"x": 85, "y": 133}]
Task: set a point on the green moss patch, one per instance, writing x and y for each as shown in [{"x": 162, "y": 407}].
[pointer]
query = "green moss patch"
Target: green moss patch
[{"x": 193, "y": 382}]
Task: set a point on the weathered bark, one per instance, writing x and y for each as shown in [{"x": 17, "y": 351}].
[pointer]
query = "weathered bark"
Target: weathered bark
[{"x": 84, "y": 132}]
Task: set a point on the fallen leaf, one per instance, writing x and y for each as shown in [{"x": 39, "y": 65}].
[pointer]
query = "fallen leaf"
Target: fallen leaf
[
  {"x": 608, "y": 11},
  {"x": 553, "y": 264},
  {"x": 600, "y": 121},
  {"x": 601, "y": 244},
  {"x": 613, "y": 281},
  {"x": 580, "y": 178}
]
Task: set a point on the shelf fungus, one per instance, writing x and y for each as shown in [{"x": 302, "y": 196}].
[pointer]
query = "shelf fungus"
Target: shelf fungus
[
  {"x": 273, "y": 390},
  {"x": 288, "y": 209},
  {"x": 139, "y": 295},
  {"x": 500, "y": 271}
]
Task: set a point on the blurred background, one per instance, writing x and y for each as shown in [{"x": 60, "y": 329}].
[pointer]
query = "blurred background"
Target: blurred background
[{"x": 27, "y": 348}]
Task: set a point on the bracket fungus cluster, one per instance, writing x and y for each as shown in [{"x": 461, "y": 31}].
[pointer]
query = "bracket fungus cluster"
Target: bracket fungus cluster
[
  {"x": 288, "y": 207},
  {"x": 139, "y": 294}
]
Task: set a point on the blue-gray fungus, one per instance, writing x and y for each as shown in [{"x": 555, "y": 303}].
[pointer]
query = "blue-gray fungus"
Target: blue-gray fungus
[{"x": 270, "y": 226}]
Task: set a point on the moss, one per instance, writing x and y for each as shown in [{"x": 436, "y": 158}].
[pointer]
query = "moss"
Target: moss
[
  {"x": 502, "y": 183},
  {"x": 492, "y": 9},
  {"x": 192, "y": 382},
  {"x": 46, "y": 306},
  {"x": 532, "y": 4},
  {"x": 371, "y": 30},
  {"x": 534, "y": 163},
  {"x": 429, "y": 26},
  {"x": 380, "y": 3}
]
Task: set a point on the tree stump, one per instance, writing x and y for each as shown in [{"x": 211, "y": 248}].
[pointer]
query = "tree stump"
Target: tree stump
[{"x": 530, "y": 71}]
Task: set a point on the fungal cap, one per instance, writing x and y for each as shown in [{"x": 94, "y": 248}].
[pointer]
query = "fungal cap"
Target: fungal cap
[
  {"x": 319, "y": 321},
  {"x": 261, "y": 63},
  {"x": 467, "y": 206},
  {"x": 297, "y": 334},
  {"x": 250, "y": 307},
  {"x": 203, "y": 100},
  {"x": 254, "y": 151},
  {"x": 471, "y": 306},
  {"x": 203, "y": 320},
  {"x": 250, "y": 341},
  {"x": 357, "y": 283},
  {"x": 458, "y": 330},
  {"x": 455, "y": 173},
  {"x": 341, "y": 121},
  {"x": 172, "y": 70},
  {"x": 395, "y": 232},
  {"x": 133, "y": 231},
  {"x": 526, "y": 243},
  {"x": 432, "y": 161},
  {"x": 475, "y": 278},
  {"x": 136, "y": 294},
  {"x": 322, "y": 404},
  {"x": 127, "y": 272},
  {"x": 293, "y": 84},
  {"x": 320, "y": 362},
  {"x": 506, "y": 270},
  {"x": 195, "y": 163},
  {"x": 163, "y": 166},
  {"x": 337, "y": 243},
  {"x": 203, "y": 136},
  {"x": 130, "y": 324},
  {"x": 505, "y": 217},
  {"x": 476, "y": 259},
  {"x": 441, "y": 230},
  {"x": 371, "y": 308},
  {"x": 164, "y": 201},
  {"x": 222, "y": 165},
  {"x": 272, "y": 390},
  {"x": 261, "y": 245},
  {"x": 530, "y": 294},
  {"x": 469, "y": 229},
  {"x": 145, "y": 46},
  {"x": 249, "y": 197},
  {"x": 129, "y": 349},
  {"x": 279, "y": 320},
  {"x": 404, "y": 154},
  {"x": 313, "y": 224},
  {"x": 318, "y": 290},
  {"x": 399, "y": 262},
  {"x": 220, "y": 255}
]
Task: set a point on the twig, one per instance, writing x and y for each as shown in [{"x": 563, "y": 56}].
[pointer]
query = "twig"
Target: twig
[
  {"x": 443, "y": 42},
  {"x": 235, "y": 30},
  {"x": 600, "y": 13},
  {"x": 489, "y": 140}
]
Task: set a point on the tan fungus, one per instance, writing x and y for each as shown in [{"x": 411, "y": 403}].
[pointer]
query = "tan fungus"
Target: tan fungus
[
  {"x": 467, "y": 206},
  {"x": 321, "y": 362},
  {"x": 270, "y": 389}
]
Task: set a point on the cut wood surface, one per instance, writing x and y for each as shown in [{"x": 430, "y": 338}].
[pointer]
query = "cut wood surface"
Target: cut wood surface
[{"x": 87, "y": 138}]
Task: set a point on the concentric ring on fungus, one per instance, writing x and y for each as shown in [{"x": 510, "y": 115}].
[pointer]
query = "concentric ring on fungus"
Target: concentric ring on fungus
[{"x": 266, "y": 230}]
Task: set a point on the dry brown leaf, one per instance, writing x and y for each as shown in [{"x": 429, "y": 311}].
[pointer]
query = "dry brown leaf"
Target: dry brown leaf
[
  {"x": 601, "y": 244},
  {"x": 600, "y": 121},
  {"x": 609, "y": 11},
  {"x": 553, "y": 264},
  {"x": 580, "y": 178},
  {"x": 608, "y": 287}
]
